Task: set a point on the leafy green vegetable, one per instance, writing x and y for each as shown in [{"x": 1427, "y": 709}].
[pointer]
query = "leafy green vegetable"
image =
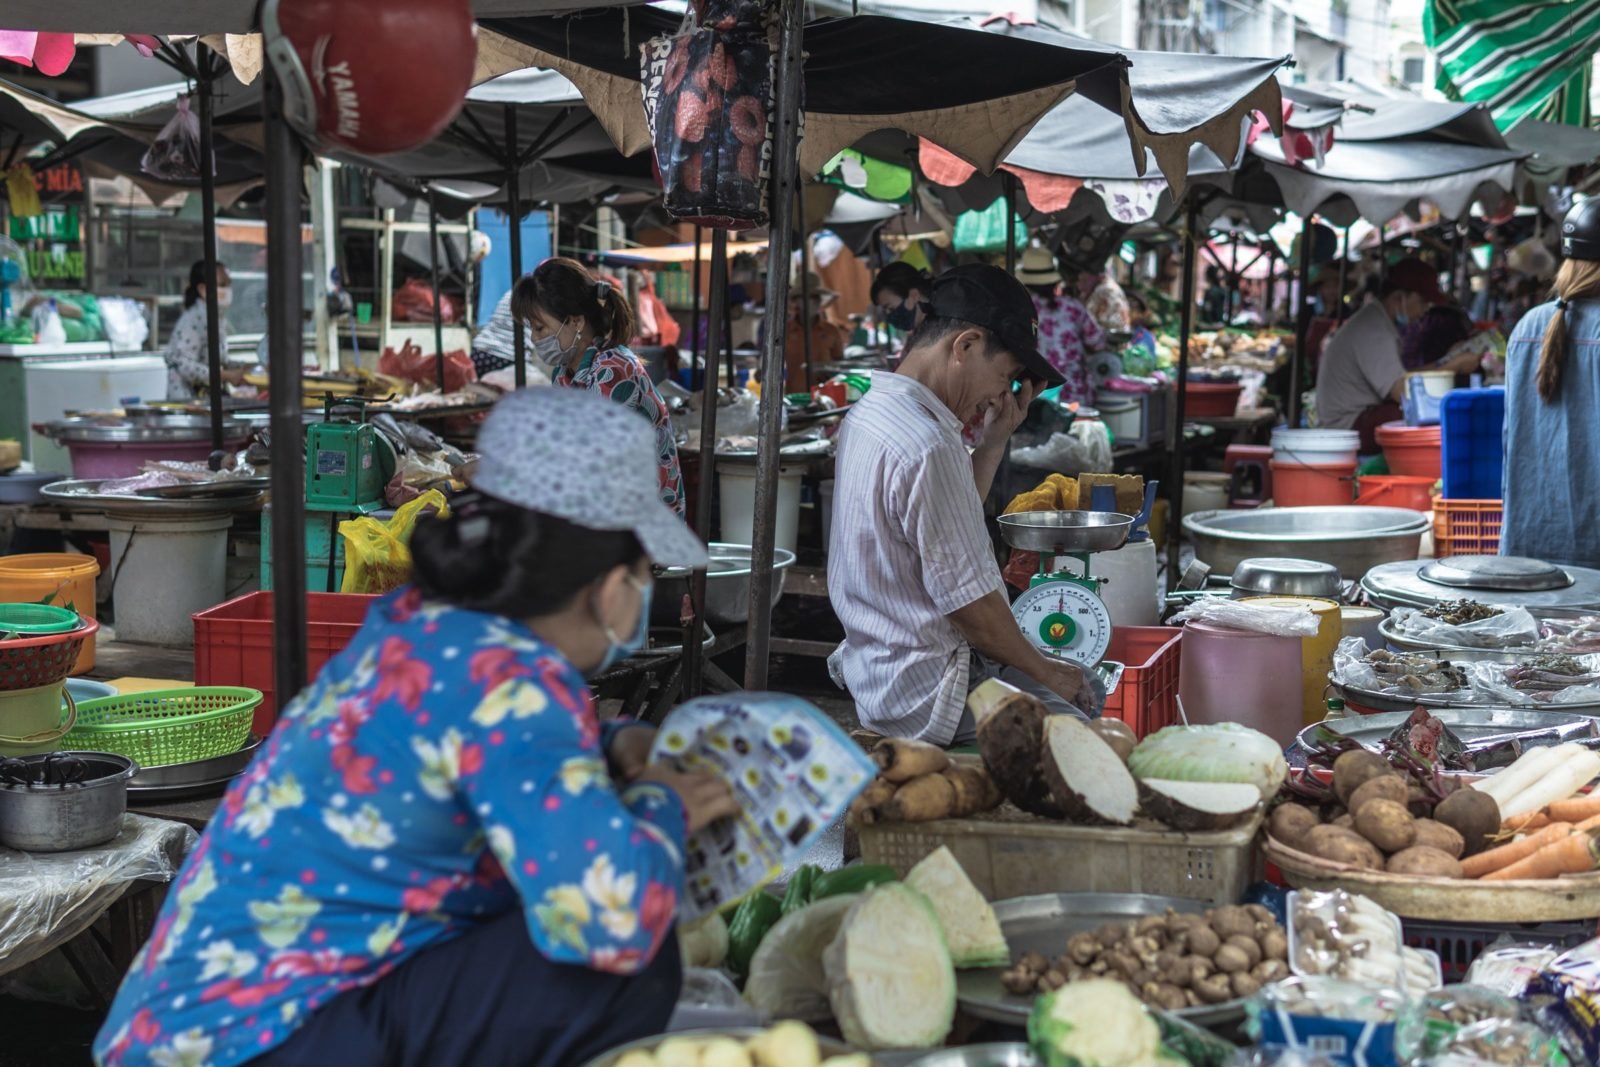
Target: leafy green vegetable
[
  {"x": 890, "y": 979},
  {"x": 856, "y": 878},
  {"x": 1096, "y": 1023},
  {"x": 1219, "y": 752}
]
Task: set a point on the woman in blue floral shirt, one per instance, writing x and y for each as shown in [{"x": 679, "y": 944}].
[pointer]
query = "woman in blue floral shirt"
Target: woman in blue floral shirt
[
  {"x": 440, "y": 856},
  {"x": 581, "y": 326}
]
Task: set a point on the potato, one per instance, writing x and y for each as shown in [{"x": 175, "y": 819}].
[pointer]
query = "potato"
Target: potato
[
  {"x": 723, "y": 1052},
  {"x": 1344, "y": 822},
  {"x": 1426, "y": 862},
  {"x": 1472, "y": 814},
  {"x": 1354, "y": 769},
  {"x": 1384, "y": 787},
  {"x": 1434, "y": 834},
  {"x": 1290, "y": 823},
  {"x": 1117, "y": 734},
  {"x": 637, "y": 1058},
  {"x": 1343, "y": 846},
  {"x": 788, "y": 1044},
  {"x": 678, "y": 1052},
  {"x": 1386, "y": 824}
]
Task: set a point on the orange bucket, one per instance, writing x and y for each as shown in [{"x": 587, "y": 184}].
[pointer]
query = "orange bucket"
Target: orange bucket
[
  {"x": 56, "y": 578},
  {"x": 1396, "y": 491},
  {"x": 1301, "y": 485},
  {"x": 1415, "y": 451}
]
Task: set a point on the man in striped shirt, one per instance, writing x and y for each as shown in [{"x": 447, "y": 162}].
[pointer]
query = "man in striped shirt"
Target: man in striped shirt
[{"x": 912, "y": 575}]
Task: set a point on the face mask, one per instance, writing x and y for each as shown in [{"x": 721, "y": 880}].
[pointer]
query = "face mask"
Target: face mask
[
  {"x": 551, "y": 352},
  {"x": 1402, "y": 320},
  {"x": 902, "y": 318},
  {"x": 224, "y": 296},
  {"x": 619, "y": 650}
]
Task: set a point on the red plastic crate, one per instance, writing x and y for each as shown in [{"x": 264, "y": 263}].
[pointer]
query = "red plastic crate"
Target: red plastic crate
[
  {"x": 233, "y": 643},
  {"x": 1467, "y": 527},
  {"x": 1147, "y": 698}
]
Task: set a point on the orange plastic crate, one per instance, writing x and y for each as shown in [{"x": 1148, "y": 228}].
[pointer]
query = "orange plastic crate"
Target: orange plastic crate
[
  {"x": 1147, "y": 698},
  {"x": 1467, "y": 527}
]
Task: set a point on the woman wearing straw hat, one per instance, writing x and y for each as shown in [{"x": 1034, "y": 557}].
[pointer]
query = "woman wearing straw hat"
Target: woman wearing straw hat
[
  {"x": 1067, "y": 332},
  {"x": 441, "y": 856},
  {"x": 1552, "y": 448}
]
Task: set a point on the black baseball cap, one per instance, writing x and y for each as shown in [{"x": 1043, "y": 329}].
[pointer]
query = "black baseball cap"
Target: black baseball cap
[{"x": 989, "y": 297}]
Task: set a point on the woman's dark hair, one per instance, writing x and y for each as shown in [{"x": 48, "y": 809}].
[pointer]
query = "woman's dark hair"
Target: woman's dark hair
[
  {"x": 900, "y": 278},
  {"x": 564, "y": 289},
  {"x": 502, "y": 559},
  {"x": 197, "y": 278},
  {"x": 1050, "y": 294},
  {"x": 1577, "y": 279}
]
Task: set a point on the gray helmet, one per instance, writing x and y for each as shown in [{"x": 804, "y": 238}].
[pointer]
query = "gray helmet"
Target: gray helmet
[{"x": 1580, "y": 231}]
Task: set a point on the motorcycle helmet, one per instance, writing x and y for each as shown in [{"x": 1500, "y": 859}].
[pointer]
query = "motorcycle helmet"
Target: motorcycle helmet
[
  {"x": 371, "y": 76},
  {"x": 1580, "y": 231}
]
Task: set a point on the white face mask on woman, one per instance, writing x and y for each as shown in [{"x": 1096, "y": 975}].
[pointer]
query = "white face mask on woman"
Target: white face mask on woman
[
  {"x": 224, "y": 295},
  {"x": 550, "y": 352}
]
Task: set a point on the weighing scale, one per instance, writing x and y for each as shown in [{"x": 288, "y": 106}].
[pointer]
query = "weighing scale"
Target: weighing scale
[{"x": 1062, "y": 613}]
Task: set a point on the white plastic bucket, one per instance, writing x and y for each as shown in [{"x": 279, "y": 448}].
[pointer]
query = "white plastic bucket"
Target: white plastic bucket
[
  {"x": 1436, "y": 382},
  {"x": 1315, "y": 448},
  {"x": 163, "y": 572},
  {"x": 1123, "y": 416},
  {"x": 1129, "y": 591},
  {"x": 737, "y": 493},
  {"x": 1204, "y": 491}
]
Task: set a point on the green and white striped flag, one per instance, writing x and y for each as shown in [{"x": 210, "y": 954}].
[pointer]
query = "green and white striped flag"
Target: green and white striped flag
[{"x": 1525, "y": 59}]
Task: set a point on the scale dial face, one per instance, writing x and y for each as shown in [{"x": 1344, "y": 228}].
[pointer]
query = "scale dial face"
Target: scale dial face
[{"x": 1065, "y": 620}]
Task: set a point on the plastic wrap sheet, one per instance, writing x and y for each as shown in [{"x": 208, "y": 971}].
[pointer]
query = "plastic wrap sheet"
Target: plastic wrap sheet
[
  {"x": 1487, "y": 682},
  {"x": 1516, "y": 628},
  {"x": 1353, "y": 668},
  {"x": 47, "y": 899},
  {"x": 1246, "y": 615}
]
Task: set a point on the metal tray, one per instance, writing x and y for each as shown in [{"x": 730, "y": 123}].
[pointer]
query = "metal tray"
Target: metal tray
[
  {"x": 1044, "y": 923},
  {"x": 226, "y": 487},
  {"x": 1066, "y": 531},
  {"x": 1475, "y": 725},
  {"x": 153, "y": 783},
  {"x": 84, "y": 494},
  {"x": 1471, "y": 653},
  {"x": 1435, "y": 702},
  {"x": 829, "y": 1046}
]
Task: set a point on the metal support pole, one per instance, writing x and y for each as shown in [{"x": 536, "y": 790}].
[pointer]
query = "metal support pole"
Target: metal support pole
[
  {"x": 433, "y": 276},
  {"x": 208, "y": 235},
  {"x": 708, "y": 450},
  {"x": 805, "y": 298},
  {"x": 1463, "y": 265},
  {"x": 1302, "y": 323},
  {"x": 1009, "y": 182},
  {"x": 697, "y": 340},
  {"x": 284, "y": 162},
  {"x": 785, "y": 171},
  {"x": 1272, "y": 285},
  {"x": 519, "y": 339},
  {"x": 1383, "y": 254},
  {"x": 1179, "y": 443},
  {"x": 1344, "y": 265}
]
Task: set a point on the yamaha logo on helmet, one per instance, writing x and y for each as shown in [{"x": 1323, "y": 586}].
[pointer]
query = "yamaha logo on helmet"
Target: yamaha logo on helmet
[{"x": 371, "y": 76}]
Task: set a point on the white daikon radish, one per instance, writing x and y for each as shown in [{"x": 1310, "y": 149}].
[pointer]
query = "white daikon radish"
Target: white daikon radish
[
  {"x": 1524, "y": 772},
  {"x": 1575, "y": 771}
]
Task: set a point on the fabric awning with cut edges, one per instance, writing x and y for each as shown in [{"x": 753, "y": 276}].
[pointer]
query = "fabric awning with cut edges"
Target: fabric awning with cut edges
[
  {"x": 1392, "y": 118},
  {"x": 1554, "y": 145},
  {"x": 1172, "y": 102},
  {"x": 1522, "y": 59},
  {"x": 1313, "y": 108},
  {"x": 1381, "y": 178},
  {"x": 672, "y": 255},
  {"x": 976, "y": 93}
]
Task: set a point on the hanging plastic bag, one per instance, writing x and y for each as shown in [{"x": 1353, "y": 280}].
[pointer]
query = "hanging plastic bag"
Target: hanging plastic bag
[
  {"x": 175, "y": 155},
  {"x": 412, "y": 365},
  {"x": 708, "y": 99},
  {"x": 377, "y": 554},
  {"x": 23, "y": 192},
  {"x": 414, "y": 303}
]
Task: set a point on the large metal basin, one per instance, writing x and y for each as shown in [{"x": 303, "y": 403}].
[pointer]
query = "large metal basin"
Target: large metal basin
[
  {"x": 1354, "y": 539},
  {"x": 727, "y": 585}
]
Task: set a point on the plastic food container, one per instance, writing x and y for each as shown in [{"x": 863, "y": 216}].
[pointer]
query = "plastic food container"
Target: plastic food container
[
  {"x": 1307, "y": 485},
  {"x": 1315, "y": 446},
  {"x": 1211, "y": 400}
]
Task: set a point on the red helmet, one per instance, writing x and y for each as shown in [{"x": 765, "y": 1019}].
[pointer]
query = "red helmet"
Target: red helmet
[{"x": 372, "y": 76}]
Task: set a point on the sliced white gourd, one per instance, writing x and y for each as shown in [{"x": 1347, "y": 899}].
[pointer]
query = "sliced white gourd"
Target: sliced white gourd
[{"x": 970, "y": 927}]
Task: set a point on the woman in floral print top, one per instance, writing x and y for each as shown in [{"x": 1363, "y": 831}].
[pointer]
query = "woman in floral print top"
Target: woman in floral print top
[
  {"x": 441, "y": 856},
  {"x": 580, "y": 327}
]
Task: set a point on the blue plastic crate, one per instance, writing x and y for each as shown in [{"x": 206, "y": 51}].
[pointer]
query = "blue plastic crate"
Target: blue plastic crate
[{"x": 1472, "y": 423}]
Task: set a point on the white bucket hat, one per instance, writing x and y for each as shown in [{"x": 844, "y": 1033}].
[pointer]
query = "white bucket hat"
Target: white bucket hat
[
  {"x": 586, "y": 459},
  {"x": 1038, "y": 267}
]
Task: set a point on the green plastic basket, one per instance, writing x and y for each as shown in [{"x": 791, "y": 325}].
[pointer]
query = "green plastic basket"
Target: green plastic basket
[
  {"x": 166, "y": 726},
  {"x": 30, "y": 620}
]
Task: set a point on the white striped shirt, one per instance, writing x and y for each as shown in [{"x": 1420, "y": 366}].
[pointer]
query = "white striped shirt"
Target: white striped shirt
[{"x": 909, "y": 548}]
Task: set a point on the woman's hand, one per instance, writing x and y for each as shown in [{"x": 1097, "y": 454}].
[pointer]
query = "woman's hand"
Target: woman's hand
[
  {"x": 705, "y": 797},
  {"x": 630, "y": 751}
]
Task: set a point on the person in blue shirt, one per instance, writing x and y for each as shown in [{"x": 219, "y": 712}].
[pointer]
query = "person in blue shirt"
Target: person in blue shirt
[
  {"x": 441, "y": 856},
  {"x": 1552, "y": 436}
]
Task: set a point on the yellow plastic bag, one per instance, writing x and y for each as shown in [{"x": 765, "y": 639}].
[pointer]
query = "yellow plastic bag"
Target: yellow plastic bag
[
  {"x": 377, "y": 554},
  {"x": 23, "y": 192}
]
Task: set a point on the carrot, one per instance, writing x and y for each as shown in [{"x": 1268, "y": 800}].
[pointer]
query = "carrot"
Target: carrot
[
  {"x": 1575, "y": 809},
  {"x": 1588, "y": 824},
  {"x": 1495, "y": 858},
  {"x": 1534, "y": 820},
  {"x": 1572, "y": 854}
]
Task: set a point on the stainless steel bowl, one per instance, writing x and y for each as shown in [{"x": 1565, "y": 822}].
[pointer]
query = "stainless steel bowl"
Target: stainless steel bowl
[
  {"x": 1277, "y": 576},
  {"x": 1066, "y": 531},
  {"x": 144, "y": 430},
  {"x": 60, "y": 818},
  {"x": 727, "y": 585},
  {"x": 1353, "y": 539},
  {"x": 827, "y": 1045},
  {"x": 998, "y": 1054}
]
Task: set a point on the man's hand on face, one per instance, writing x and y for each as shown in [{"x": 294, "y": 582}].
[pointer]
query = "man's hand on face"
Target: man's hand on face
[{"x": 1006, "y": 413}]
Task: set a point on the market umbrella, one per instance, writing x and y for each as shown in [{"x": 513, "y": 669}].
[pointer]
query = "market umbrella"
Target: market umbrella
[
  {"x": 861, "y": 74},
  {"x": 1523, "y": 59},
  {"x": 178, "y": 17}
]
